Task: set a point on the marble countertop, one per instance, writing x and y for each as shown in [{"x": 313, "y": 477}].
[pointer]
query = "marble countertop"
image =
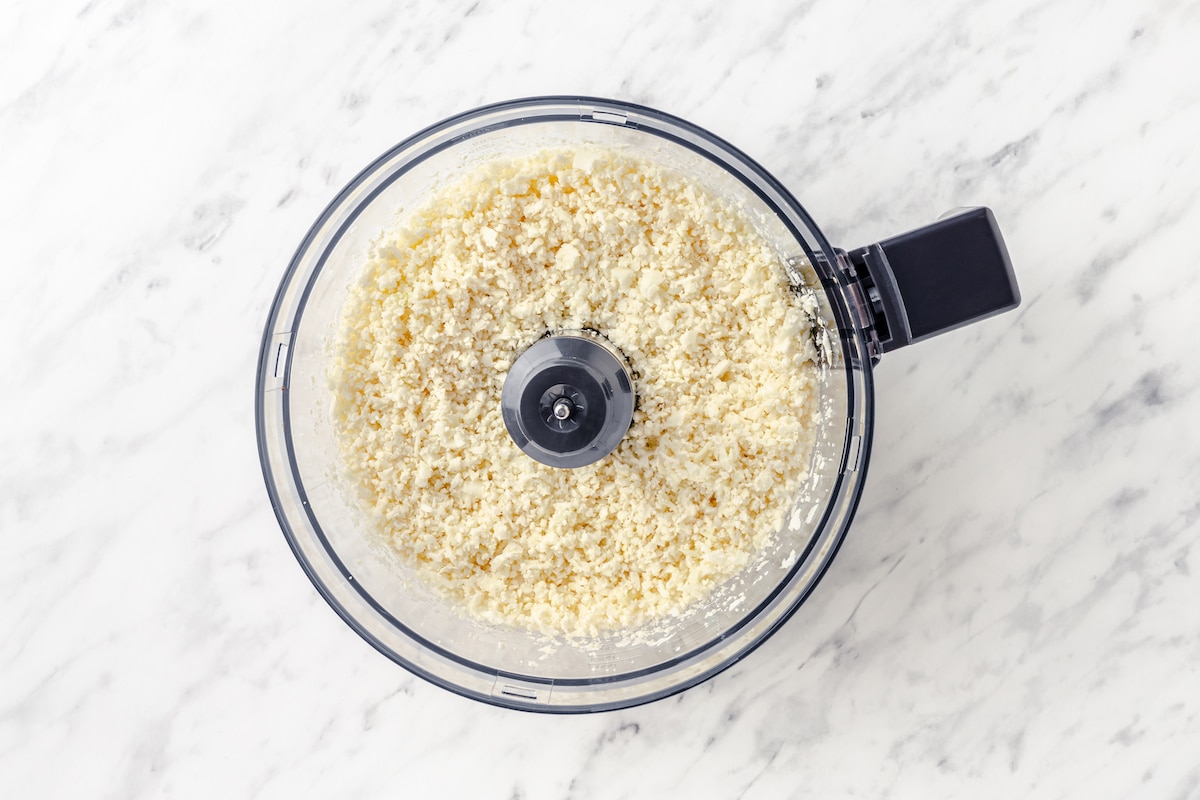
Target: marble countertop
[{"x": 1016, "y": 611}]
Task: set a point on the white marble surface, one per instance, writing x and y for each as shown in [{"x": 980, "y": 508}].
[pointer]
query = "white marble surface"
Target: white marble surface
[{"x": 1016, "y": 612}]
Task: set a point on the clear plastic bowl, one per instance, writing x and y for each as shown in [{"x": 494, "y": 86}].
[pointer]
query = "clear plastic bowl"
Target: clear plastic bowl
[{"x": 379, "y": 597}]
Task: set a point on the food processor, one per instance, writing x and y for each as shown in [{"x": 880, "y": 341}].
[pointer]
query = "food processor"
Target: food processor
[{"x": 568, "y": 399}]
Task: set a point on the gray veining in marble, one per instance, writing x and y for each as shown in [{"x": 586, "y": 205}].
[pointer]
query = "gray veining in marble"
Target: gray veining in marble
[{"x": 1016, "y": 612}]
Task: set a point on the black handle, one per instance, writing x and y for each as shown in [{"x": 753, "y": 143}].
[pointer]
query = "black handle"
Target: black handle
[{"x": 937, "y": 278}]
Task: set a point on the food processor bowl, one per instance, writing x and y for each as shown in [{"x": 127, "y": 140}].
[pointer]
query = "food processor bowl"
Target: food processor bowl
[{"x": 866, "y": 306}]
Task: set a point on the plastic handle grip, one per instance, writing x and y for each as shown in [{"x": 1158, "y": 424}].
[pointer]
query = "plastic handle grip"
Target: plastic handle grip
[{"x": 937, "y": 278}]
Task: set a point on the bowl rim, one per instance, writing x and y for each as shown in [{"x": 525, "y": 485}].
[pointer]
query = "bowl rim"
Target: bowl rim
[{"x": 860, "y": 393}]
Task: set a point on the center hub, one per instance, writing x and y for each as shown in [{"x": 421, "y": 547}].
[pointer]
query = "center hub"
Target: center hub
[
  {"x": 562, "y": 409},
  {"x": 568, "y": 400}
]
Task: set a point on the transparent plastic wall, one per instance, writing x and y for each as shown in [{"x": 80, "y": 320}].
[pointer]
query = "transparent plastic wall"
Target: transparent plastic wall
[{"x": 387, "y": 604}]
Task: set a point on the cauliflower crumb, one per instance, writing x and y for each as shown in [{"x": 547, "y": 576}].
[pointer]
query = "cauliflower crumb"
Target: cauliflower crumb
[{"x": 691, "y": 294}]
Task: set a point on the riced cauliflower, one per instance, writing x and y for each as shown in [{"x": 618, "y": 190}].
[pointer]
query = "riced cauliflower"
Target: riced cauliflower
[{"x": 724, "y": 370}]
